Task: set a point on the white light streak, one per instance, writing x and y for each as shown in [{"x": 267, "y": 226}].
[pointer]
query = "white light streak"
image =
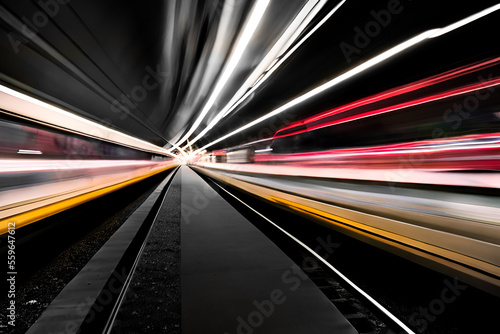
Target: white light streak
[
  {"x": 264, "y": 150},
  {"x": 232, "y": 105},
  {"x": 341, "y": 78},
  {"x": 27, "y": 106},
  {"x": 465, "y": 21},
  {"x": 250, "y": 27},
  {"x": 33, "y": 152},
  {"x": 361, "y": 68},
  {"x": 328, "y": 264}
]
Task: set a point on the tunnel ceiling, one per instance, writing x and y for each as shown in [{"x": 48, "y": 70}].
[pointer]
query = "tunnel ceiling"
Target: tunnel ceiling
[{"x": 151, "y": 68}]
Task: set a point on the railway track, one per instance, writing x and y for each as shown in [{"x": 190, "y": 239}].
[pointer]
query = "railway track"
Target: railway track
[
  {"x": 364, "y": 312},
  {"x": 105, "y": 277},
  {"x": 51, "y": 252},
  {"x": 376, "y": 291},
  {"x": 379, "y": 292}
]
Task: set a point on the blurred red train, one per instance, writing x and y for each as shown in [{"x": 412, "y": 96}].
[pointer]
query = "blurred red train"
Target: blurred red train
[{"x": 22, "y": 140}]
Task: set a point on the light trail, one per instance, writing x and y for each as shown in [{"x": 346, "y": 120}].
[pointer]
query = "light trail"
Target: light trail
[
  {"x": 231, "y": 106},
  {"x": 34, "y": 109},
  {"x": 250, "y": 27},
  {"x": 361, "y": 68}
]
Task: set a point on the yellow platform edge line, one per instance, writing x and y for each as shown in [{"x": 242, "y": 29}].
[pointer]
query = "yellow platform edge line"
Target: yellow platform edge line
[
  {"x": 37, "y": 214},
  {"x": 353, "y": 227}
]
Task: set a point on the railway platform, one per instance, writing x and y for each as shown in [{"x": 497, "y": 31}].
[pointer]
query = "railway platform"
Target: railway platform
[
  {"x": 235, "y": 280},
  {"x": 203, "y": 268}
]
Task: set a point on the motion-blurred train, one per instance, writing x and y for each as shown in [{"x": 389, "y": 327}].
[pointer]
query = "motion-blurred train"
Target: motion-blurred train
[
  {"x": 450, "y": 121},
  {"x": 21, "y": 140},
  {"x": 413, "y": 170},
  {"x": 44, "y": 171}
]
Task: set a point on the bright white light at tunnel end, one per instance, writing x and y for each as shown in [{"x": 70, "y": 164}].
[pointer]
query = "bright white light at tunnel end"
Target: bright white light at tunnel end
[{"x": 189, "y": 158}]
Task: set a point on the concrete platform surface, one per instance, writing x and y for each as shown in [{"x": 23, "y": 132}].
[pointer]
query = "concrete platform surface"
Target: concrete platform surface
[{"x": 235, "y": 280}]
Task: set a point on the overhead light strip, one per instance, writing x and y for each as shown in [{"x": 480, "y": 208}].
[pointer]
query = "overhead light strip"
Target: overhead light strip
[
  {"x": 250, "y": 27},
  {"x": 31, "y": 108},
  {"x": 231, "y": 106},
  {"x": 361, "y": 68}
]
